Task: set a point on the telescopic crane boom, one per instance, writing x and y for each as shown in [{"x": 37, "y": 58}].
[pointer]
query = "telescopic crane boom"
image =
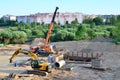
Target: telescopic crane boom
[{"x": 46, "y": 46}]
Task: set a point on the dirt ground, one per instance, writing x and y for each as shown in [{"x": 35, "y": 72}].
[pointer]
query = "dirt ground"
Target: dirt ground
[{"x": 110, "y": 58}]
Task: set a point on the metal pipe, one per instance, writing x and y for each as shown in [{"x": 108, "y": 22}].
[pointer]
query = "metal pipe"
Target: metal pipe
[{"x": 59, "y": 64}]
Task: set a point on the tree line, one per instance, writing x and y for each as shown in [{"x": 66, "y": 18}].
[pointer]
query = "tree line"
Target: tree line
[{"x": 89, "y": 29}]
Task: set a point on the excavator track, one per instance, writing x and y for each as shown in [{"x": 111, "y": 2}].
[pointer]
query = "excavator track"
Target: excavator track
[{"x": 37, "y": 72}]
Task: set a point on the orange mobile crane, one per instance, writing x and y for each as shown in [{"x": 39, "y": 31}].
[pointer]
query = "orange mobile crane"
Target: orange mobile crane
[{"x": 46, "y": 48}]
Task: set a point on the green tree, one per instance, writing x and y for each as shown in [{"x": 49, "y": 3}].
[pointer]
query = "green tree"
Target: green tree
[
  {"x": 88, "y": 21},
  {"x": 91, "y": 33},
  {"x": 92, "y": 25},
  {"x": 38, "y": 33},
  {"x": 113, "y": 19},
  {"x": 106, "y": 34},
  {"x": 75, "y": 22},
  {"x": 12, "y": 23},
  {"x": 69, "y": 36},
  {"x": 5, "y": 36},
  {"x": 28, "y": 32},
  {"x": 23, "y": 25},
  {"x": 1, "y": 20},
  {"x": 98, "y": 20},
  {"x": 18, "y": 37},
  {"x": 60, "y": 36},
  {"x": 118, "y": 17},
  {"x": 81, "y": 32},
  {"x": 115, "y": 31},
  {"x": 33, "y": 24},
  {"x": 107, "y": 22}
]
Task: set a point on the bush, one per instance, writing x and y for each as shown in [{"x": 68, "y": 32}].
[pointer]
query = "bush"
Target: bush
[
  {"x": 91, "y": 33},
  {"x": 81, "y": 32},
  {"x": 5, "y": 36},
  {"x": 28, "y": 32},
  {"x": 106, "y": 34},
  {"x": 60, "y": 36},
  {"x": 18, "y": 37},
  {"x": 69, "y": 36}
]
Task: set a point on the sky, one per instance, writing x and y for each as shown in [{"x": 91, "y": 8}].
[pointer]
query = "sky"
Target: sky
[{"x": 26, "y": 7}]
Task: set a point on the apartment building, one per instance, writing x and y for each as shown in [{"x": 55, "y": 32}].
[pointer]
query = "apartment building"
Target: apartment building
[
  {"x": 61, "y": 18},
  {"x": 9, "y": 17}
]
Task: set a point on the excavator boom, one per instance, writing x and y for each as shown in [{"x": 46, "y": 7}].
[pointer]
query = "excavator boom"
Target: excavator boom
[{"x": 20, "y": 51}]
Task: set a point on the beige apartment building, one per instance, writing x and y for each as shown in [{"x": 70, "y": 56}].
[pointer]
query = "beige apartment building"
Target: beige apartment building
[{"x": 61, "y": 18}]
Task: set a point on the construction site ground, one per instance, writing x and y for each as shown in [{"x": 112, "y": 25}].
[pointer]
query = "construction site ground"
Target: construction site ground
[{"x": 110, "y": 58}]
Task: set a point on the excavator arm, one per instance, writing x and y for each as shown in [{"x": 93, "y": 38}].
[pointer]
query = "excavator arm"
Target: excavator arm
[{"x": 20, "y": 51}]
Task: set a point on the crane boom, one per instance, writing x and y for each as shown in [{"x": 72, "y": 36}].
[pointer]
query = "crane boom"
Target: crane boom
[{"x": 46, "y": 47}]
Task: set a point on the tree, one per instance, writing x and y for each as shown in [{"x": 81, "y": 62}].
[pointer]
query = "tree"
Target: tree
[
  {"x": 18, "y": 37},
  {"x": 28, "y": 32},
  {"x": 69, "y": 36},
  {"x": 12, "y": 23},
  {"x": 1, "y": 20},
  {"x": 67, "y": 22},
  {"x": 88, "y": 21},
  {"x": 33, "y": 24},
  {"x": 115, "y": 31},
  {"x": 60, "y": 36},
  {"x": 98, "y": 20},
  {"x": 107, "y": 22},
  {"x": 81, "y": 32},
  {"x": 37, "y": 32},
  {"x": 92, "y": 25},
  {"x": 22, "y": 26},
  {"x": 5, "y": 36},
  {"x": 118, "y": 17},
  {"x": 113, "y": 19},
  {"x": 91, "y": 33},
  {"x": 106, "y": 34},
  {"x": 75, "y": 22}
]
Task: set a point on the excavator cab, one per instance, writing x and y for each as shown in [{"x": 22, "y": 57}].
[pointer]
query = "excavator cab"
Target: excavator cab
[
  {"x": 41, "y": 65},
  {"x": 35, "y": 64}
]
